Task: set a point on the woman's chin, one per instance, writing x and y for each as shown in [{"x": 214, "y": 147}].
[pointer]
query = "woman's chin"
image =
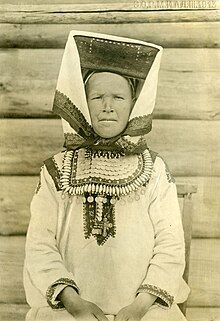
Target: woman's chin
[
  {"x": 107, "y": 135},
  {"x": 108, "y": 130}
]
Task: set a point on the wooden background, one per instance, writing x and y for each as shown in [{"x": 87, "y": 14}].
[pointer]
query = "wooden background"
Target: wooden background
[{"x": 185, "y": 131}]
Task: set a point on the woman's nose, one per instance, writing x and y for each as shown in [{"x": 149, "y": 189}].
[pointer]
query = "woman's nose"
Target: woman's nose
[{"x": 107, "y": 105}]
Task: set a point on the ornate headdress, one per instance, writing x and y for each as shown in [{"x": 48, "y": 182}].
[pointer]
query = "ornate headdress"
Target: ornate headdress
[{"x": 98, "y": 52}]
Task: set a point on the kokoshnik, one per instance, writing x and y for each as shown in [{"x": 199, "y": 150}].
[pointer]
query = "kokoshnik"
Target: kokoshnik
[{"x": 111, "y": 207}]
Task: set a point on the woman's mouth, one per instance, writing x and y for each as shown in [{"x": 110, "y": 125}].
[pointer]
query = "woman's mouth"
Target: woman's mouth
[{"x": 107, "y": 120}]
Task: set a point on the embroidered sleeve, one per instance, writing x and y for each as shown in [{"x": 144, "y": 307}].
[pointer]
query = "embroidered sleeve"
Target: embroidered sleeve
[
  {"x": 54, "y": 290},
  {"x": 164, "y": 299},
  {"x": 166, "y": 266},
  {"x": 43, "y": 260}
]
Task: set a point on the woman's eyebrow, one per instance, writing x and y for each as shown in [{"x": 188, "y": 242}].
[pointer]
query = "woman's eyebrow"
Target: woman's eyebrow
[
  {"x": 99, "y": 92},
  {"x": 95, "y": 92},
  {"x": 119, "y": 93}
]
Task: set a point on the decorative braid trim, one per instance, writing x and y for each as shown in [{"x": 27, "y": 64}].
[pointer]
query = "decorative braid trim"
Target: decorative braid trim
[
  {"x": 50, "y": 292},
  {"x": 170, "y": 177},
  {"x": 54, "y": 172},
  {"x": 65, "y": 108},
  {"x": 140, "y": 125},
  {"x": 164, "y": 298},
  {"x": 39, "y": 182}
]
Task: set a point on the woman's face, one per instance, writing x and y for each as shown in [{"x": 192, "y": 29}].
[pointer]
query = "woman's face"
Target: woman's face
[{"x": 110, "y": 102}]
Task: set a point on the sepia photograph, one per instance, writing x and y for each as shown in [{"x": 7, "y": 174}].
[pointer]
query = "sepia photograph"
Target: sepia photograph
[{"x": 110, "y": 160}]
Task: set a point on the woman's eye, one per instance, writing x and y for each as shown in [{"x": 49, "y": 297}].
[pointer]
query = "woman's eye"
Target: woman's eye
[
  {"x": 119, "y": 98},
  {"x": 96, "y": 97}
]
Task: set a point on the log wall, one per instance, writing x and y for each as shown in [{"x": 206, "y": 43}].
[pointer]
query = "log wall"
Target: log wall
[{"x": 185, "y": 131}]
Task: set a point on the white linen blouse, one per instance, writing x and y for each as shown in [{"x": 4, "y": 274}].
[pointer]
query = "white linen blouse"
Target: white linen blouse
[{"x": 147, "y": 253}]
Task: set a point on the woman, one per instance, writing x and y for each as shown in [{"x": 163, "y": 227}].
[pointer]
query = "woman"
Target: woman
[{"x": 105, "y": 238}]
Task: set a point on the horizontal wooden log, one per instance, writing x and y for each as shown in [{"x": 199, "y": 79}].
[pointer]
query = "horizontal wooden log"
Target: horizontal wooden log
[
  {"x": 27, "y": 143},
  {"x": 188, "y": 87},
  {"x": 203, "y": 314},
  {"x": 102, "y": 13},
  {"x": 169, "y": 35},
  {"x": 100, "y": 5},
  {"x": 16, "y": 195},
  {"x": 11, "y": 269},
  {"x": 188, "y": 146},
  {"x": 17, "y": 312},
  {"x": 191, "y": 148},
  {"x": 204, "y": 274},
  {"x": 204, "y": 271},
  {"x": 206, "y": 205},
  {"x": 13, "y": 312}
]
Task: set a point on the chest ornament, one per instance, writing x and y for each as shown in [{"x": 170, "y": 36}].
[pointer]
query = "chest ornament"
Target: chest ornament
[{"x": 102, "y": 178}]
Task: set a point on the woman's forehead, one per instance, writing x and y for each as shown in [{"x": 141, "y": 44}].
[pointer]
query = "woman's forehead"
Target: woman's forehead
[{"x": 102, "y": 80}]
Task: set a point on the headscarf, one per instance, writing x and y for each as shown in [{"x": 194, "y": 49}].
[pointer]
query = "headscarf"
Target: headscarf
[{"x": 130, "y": 58}]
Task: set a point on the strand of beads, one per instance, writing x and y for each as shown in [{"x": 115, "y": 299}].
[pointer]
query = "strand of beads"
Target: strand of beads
[
  {"x": 66, "y": 171},
  {"x": 99, "y": 207}
]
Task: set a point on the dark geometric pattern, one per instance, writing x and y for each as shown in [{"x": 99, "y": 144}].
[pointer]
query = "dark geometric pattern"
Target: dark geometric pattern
[
  {"x": 52, "y": 288},
  {"x": 105, "y": 227},
  {"x": 54, "y": 172},
  {"x": 125, "y": 58},
  {"x": 164, "y": 298}
]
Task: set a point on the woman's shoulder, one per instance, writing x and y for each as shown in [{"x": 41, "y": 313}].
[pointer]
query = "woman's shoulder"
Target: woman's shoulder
[
  {"x": 53, "y": 167},
  {"x": 157, "y": 159},
  {"x": 54, "y": 161},
  {"x": 160, "y": 166}
]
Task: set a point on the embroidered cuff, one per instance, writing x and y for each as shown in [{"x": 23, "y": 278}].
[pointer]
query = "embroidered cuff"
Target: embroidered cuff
[
  {"x": 164, "y": 299},
  {"x": 52, "y": 292}
]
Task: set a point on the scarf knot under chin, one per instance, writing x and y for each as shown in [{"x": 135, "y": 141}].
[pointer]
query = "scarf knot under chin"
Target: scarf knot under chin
[
  {"x": 130, "y": 141},
  {"x": 120, "y": 145}
]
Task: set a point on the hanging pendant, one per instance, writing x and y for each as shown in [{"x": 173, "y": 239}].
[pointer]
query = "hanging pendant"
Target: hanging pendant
[{"x": 99, "y": 217}]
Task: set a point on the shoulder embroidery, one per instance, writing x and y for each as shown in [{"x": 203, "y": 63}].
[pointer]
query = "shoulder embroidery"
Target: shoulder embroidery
[
  {"x": 39, "y": 182},
  {"x": 153, "y": 155},
  {"x": 54, "y": 172},
  {"x": 170, "y": 177}
]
